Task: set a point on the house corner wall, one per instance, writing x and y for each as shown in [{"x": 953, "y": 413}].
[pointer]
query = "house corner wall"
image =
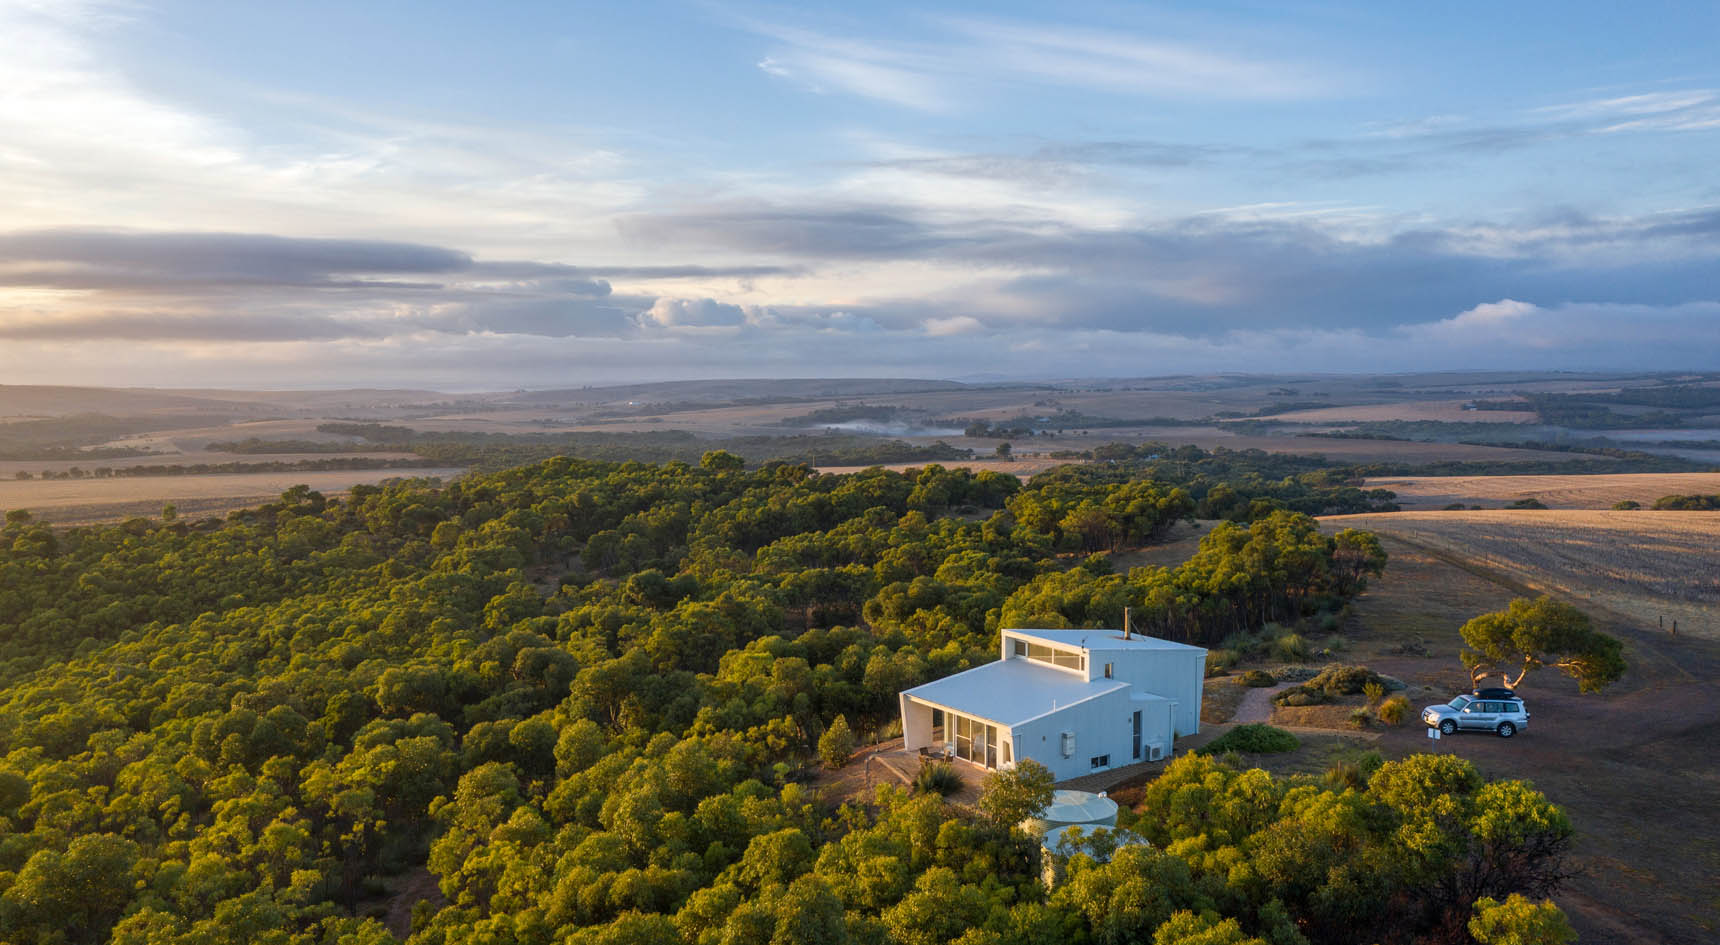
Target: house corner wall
[{"x": 916, "y": 723}]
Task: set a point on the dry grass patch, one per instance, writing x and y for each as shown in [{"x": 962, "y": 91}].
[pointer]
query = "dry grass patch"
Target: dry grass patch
[
  {"x": 86, "y": 501},
  {"x": 1449, "y": 411},
  {"x": 1640, "y": 566},
  {"x": 1334, "y": 715},
  {"x": 1556, "y": 492},
  {"x": 1220, "y": 698}
]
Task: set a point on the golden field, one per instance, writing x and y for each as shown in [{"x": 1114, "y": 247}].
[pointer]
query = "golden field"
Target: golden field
[
  {"x": 84, "y": 501},
  {"x": 1639, "y": 566},
  {"x": 1556, "y": 492}
]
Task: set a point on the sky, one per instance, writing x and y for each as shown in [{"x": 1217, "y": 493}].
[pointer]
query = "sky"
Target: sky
[{"x": 468, "y": 196}]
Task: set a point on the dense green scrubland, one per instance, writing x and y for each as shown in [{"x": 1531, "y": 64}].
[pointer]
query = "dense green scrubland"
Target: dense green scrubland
[{"x": 586, "y": 698}]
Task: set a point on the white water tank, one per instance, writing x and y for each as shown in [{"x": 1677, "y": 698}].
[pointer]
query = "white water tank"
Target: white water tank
[{"x": 1073, "y": 808}]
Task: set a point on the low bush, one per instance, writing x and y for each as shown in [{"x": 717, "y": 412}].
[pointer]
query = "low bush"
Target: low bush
[
  {"x": 1290, "y": 648},
  {"x": 1394, "y": 710},
  {"x": 1276, "y": 642},
  {"x": 1252, "y": 739},
  {"x": 1258, "y": 678},
  {"x": 1333, "y": 682},
  {"x": 1354, "y": 773},
  {"x": 1687, "y": 503},
  {"x": 1526, "y": 504},
  {"x": 1360, "y": 718},
  {"x": 1219, "y": 662},
  {"x": 1626, "y": 505},
  {"x": 937, "y": 777},
  {"x": 1375, "y": 691}
]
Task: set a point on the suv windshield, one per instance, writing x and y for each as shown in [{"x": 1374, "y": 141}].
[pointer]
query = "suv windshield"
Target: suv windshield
[{"x": 1459, "y": 702}]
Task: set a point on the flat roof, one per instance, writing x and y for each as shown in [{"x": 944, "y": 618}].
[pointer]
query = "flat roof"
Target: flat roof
[
  {"x": 1101, "y": 639},
  {"x": 1010, "y": 692}
]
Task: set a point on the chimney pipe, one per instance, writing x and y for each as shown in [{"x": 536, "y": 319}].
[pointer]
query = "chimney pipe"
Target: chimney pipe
[{"x": 1126, "y": 635}]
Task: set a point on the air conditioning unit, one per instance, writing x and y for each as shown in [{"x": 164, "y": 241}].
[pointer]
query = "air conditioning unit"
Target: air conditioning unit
[
  {"x": 1155, "y": 753},
  {"x": 1068, "y": 744}
]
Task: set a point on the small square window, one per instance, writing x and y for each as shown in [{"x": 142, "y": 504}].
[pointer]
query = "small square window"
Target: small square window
[{"x": 1100, "y": 761}]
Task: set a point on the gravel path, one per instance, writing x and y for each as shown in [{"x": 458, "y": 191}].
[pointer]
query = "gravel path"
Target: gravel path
[{"x": 1257, "y": 704}]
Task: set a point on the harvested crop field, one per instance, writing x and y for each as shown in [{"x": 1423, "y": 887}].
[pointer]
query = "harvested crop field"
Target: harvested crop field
[
  {"x": 1556, "y": 492},
  {"x": 1448, "y": 411},
  {"x": 85, "y": 501},
  {"x": 1639, "y": 566}
]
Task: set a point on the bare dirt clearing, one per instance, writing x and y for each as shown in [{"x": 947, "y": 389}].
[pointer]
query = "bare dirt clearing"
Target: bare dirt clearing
[
  {"x": 1639, "y": 566},
  {"x": 84, "y": 501},
  {"x": 1558, "y": 492}
]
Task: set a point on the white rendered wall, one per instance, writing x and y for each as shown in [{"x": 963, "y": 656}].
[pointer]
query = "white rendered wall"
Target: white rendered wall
[
  {"x": 1178, "y": 675},
  {"x": 916, "y": 723},
  {"x": 1102, "y": 726}
]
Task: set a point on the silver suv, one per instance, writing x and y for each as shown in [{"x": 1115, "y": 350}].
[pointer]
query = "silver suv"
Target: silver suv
[{"x": 1504, "y": 717}]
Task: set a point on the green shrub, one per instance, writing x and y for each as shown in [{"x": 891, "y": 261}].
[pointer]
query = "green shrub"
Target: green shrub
[
  {"x": 1375, "y": 691},
  {"x": 1687, "y": 503},
  {"x": 1258, "y": 678},
  {"x": 1254, "y": 739},
  {"x": 1626, "y": 505},
  {"x": 1359, "y": 718},
  {"x": 1527, "y": 504},
  {"x": 1340, "y": 680},
  {"x": 1333, "y": 682},
  {"x": 1394, "y": 710},
  {"x": 836, "y": 745},
  {"x": 1290, "y": 648},
  {"x": 1354, "y": 773},
  {"x": 937, "y": 777}
]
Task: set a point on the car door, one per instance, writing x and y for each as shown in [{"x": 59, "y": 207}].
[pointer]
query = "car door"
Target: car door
[{"x": 1479, "y": 714}]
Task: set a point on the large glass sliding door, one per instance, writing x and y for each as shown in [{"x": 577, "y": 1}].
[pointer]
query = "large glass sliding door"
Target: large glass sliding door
[{"x": 976, "y": 741}]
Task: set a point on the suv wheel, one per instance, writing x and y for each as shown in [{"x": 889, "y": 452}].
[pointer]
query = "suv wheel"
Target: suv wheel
[
  {"x": 1506, "y": 730},
  {"x": 1447, "y": 727}
]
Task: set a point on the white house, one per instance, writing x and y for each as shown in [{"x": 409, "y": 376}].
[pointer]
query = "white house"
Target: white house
[{"x": 1076, "y": 701}]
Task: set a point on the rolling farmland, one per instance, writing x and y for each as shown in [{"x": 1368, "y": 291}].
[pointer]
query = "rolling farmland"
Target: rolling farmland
[
  {"x": 84, "y": 501},
  {"x": 1640, "y": 566},
  {"x": 1557, "y": 491}
]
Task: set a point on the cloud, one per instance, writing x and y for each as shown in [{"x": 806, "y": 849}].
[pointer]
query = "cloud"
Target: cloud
[
  {"x": 807, "y": 233},
  {"x": 96, "y": 259},
  {"x": 1114, "y": 60},
  {"x": 967, "y": 57},
  {"x": 953, "y": 325},
  {"x": 822, "y": 64},
  {"x": 695, "y": 313},
  {"x": 1584, "y": 330},
  {"x": 1210, "y": 274},
  {"x": 111, "y": 284},
  {"x": 157, "y": 327},
  {"x": 1687, "y": 110}
]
